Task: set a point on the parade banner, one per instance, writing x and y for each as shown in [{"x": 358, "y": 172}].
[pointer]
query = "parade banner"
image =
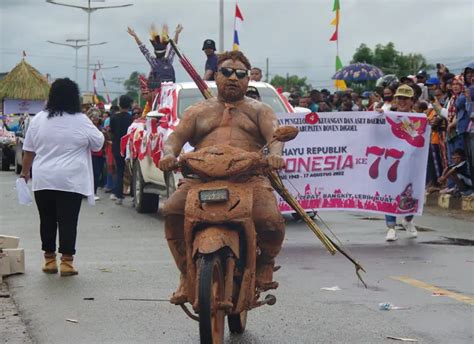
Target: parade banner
[{"x": 357, "y": 161}]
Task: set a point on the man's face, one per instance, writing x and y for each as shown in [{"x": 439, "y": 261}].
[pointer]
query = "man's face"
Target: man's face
[
  {"x": 404, "y": 104},
  {"x": 209, "y": 51},
  {"x": 303, "y": 102},
  {"x": 231, "y": 88},
  {"x": 469, "y": 76},
  {"x": 438, "y": 94},
  {"x": 420, "y": 79},
  {"x": 255, "y": 74},
  {"x": 456, "y": 87},
  {"x": 456, "y": 158},
  {"x": 316, "y": 97},
  {"x": 323, "y": 107}
]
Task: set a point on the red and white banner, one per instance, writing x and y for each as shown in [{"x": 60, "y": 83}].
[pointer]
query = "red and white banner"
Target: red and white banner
[{"x": 357, "y": 161}]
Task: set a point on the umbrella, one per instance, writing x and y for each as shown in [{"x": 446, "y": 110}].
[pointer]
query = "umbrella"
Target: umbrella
[{"x": 358, "y": 72}]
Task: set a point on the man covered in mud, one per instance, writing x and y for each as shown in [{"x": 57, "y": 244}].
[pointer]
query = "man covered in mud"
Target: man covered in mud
[{"x": 241, "y": 122}]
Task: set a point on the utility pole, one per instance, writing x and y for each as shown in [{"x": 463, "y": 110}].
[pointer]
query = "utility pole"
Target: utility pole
[
  {"x": 76, "y": 47},
  {"x": 88, "y": 10},
  {"x": 221, "y": 26},
  {"x": 267, "y": 72},
  {"x": 98, "y": 67}
]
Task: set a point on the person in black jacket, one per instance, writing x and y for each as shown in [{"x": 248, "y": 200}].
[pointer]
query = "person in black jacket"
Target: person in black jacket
[{"x": 119, "y": 123}]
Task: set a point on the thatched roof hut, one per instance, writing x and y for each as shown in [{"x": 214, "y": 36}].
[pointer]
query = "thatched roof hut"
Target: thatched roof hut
[{"x": 24, "y": 82}]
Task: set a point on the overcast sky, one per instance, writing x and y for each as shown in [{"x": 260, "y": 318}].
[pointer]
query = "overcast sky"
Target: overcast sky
[{"x": 293, "y": 34}]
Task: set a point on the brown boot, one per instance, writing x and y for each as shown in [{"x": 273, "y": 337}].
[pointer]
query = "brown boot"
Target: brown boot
[
  {"x": 178, "y": 250},
  {"x": 66, "y": 267},
  {"x": 50, "y": 266},
  {"x": 264, "y": 278}
]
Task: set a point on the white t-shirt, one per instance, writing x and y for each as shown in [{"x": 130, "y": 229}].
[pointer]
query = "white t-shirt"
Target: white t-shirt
[{"x": 63, "y": 146}]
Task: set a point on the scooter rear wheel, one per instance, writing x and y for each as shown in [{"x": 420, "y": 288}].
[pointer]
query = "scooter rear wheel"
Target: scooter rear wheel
[
  {"x": 237, "y": 322},
  {"x": 211, "y": 291}
]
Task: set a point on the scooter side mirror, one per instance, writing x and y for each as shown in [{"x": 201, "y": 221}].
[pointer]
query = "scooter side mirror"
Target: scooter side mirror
[{"x": 285, "y": 133}]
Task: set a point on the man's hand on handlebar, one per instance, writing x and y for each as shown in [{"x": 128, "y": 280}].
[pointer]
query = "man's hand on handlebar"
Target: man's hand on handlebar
[
  {"x": 168, "y": 163},
  {"x": 275, "y": 161}
]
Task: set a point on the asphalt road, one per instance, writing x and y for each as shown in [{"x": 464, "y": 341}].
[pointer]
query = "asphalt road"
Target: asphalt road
[{"x": 122, "y": 254}]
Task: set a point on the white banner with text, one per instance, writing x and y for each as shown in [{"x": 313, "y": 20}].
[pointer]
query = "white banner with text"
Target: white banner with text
[{"x": 357, "y": 161}]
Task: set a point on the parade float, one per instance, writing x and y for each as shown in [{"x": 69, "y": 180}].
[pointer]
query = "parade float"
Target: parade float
[{"x": 23, "y": 92}]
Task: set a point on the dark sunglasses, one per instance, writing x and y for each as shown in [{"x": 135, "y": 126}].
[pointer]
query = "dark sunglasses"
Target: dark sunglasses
[{"x": 239, "y": 73}]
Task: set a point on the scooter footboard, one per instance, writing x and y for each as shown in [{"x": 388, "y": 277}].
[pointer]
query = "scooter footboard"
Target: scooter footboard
[{"x": 215, "y": 237}]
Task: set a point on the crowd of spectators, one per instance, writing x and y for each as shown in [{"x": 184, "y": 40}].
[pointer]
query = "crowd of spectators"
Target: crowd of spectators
[
  {"x": 447, "y": 101},
  {"x": 110, "y": 171}
]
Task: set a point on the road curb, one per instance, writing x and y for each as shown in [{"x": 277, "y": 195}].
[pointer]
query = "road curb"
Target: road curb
[
  {"x": 12, "y": 328},
  {"x": 446, "y": 201}
]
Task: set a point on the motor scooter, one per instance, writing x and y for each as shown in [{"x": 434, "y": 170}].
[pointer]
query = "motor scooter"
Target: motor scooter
[{"x": 221, "y": 239}]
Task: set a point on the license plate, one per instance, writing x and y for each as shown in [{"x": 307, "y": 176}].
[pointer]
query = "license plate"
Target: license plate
[{"x": 216, "y": 195}]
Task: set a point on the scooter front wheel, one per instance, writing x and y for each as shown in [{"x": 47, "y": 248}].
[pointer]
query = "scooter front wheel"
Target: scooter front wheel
[
  {"x": 211, "y": 291},
  {"x": 237, "y": 322}
]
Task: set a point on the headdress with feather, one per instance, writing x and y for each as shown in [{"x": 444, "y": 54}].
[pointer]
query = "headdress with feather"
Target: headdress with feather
[{"x": 159, "y": 43}]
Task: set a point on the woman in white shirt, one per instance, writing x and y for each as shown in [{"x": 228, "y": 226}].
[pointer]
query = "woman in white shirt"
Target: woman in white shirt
[{"x": 58, "y": 147}]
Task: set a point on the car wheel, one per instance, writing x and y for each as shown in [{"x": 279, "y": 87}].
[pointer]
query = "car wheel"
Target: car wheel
[
  {"x": 4, "y": 161},
  {"x": 144, "y": 202}
]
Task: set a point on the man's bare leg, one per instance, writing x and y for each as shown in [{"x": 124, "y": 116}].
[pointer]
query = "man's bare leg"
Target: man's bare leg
[{"x": 174, "y": 226}]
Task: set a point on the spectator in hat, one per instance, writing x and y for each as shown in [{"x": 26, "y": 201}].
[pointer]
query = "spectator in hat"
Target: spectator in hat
[
  {"x": 404, "y": 97},
  {"x": 432, "y": 84},
  {"x": 421, "y": 78},
  {"x": 209, "y": 48},
  {"x": 256, "y": 74}
]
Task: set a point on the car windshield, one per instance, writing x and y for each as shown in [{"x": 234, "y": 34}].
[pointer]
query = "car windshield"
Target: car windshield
[{"x": 188, "y": 97}]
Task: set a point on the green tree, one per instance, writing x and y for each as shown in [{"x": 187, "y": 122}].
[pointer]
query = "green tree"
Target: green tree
[
  {"x": 389, "y": 60},
  {"x": 291, "y": 83},
  {"x": 132, "y": 85}
]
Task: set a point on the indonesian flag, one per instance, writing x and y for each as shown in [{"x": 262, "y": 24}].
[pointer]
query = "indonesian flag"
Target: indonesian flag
[
  {"x": 239, "y": 19},
  {"x": 94, "y": 82}
]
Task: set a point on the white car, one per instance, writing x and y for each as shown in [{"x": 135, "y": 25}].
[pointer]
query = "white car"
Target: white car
[{"x": 147, "y": 136}]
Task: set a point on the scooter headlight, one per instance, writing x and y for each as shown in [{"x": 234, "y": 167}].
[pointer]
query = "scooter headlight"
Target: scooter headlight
[{"x": 216, "y": 195}]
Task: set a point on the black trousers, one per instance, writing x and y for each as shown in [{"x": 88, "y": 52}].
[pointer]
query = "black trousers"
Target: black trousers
[
  {"x": 120, "y": 165},
  {"x": 58, "y": 210}
]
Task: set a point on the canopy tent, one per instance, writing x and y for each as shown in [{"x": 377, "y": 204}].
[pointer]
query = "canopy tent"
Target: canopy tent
[{"x": 24, "y": 89}]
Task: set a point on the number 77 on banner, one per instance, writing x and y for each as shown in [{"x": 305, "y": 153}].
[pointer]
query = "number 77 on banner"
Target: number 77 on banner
[{"x": 385, "y": 153}]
